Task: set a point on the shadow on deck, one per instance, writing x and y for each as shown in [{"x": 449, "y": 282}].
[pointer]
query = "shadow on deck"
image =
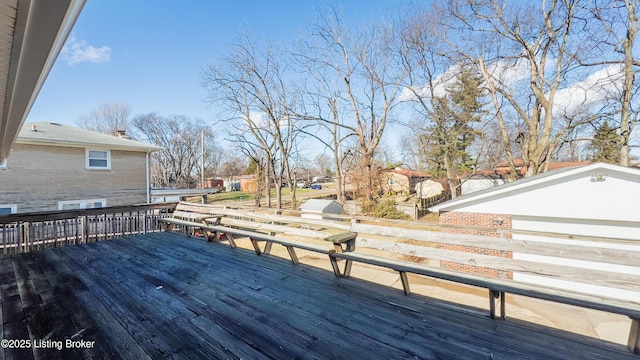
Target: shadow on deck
[{"x": 165, "y": 295}]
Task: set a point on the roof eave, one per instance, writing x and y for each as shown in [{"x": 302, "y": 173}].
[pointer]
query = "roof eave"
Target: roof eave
[
  {"x": 512, "y": 187},
  {"x": 80, "y": 144},
  {"x": 41, "y": 29}
]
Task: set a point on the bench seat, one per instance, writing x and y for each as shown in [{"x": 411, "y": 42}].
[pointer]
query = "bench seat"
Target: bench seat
[{"x": 499, "y": 287}]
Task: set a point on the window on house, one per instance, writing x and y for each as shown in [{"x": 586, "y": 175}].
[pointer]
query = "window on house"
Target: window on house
[
  {"x": 3, "y": 164},
  {"x": 82, "y": 204},
  {"x": 7, "y": 209},
  {"x": 99, "y": 159}
]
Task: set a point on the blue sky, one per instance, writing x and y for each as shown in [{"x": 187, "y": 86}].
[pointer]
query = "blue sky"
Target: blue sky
[{"x": 150, "y": 53}]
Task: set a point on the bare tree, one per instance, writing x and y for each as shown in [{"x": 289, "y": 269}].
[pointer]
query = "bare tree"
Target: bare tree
[
  {"x": 620, "y": 22},
  {"x": 360, "y": 72},
  {"x": 249, "y": 82},
  {"x": 108, "y": 118},
  {"x": 177, "y": 165},
  {"x": 321, "y": 104},
  {"x": 446, "y": 96},
  {"x": 527, "y": 55}
]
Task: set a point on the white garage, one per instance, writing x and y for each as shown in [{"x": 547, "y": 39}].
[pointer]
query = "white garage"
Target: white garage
[{"x": 598, "y": 205}]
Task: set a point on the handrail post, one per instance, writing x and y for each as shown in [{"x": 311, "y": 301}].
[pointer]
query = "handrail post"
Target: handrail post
[{"x": 85, "y": 229}]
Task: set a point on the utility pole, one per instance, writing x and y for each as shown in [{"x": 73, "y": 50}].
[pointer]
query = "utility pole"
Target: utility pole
[{"x": 202, "y": 159}]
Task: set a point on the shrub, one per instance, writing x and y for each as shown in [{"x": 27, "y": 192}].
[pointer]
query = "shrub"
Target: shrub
[{"x": 383, "y": 209}]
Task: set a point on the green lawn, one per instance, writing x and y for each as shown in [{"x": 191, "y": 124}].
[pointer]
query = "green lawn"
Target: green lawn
[{"x": 245, "y": 196}]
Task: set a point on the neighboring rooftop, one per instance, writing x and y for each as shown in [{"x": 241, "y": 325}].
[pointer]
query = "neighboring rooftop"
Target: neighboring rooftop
[
  {"x": 538, "y": 179},
  {"x": 409, "y": 173},
  {"x": 48, "y": 133},
  {"x": 503, "y": 167}
]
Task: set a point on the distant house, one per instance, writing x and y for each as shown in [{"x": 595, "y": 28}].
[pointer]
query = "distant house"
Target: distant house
[
  {"x": 484, "y": 179},
  {"x": 481, "y": 180},
  {"x": 402, "y": 181},
  {"x": 598, "y": 200},
  {"x": 59, "y": 167},
  {"x": 214, "y": 184},
  {"x": 248, "y": 183},
  {"x": 319, "y": 209},
  {"x": 503, "y": 168}
]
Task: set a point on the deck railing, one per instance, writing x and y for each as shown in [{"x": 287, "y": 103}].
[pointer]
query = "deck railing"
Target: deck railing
[{"x": 41, "y": 230}]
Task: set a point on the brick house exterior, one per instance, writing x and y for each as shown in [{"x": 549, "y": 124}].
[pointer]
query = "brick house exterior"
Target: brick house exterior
[
  {"x": 401, "y": 181},
  {"x": 58, "y": 167}
]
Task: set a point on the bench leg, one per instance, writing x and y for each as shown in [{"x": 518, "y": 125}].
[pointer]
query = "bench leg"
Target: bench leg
[
  {"x": 346, "y": 272},
  {"x": 405, "y": 282},
  {"x": 493, "y": 296},
  {"x": 229, "y": 237},
  {"x": 256, "y": 246},
  {"x": 347, "y": 267},
  {"x": 634, "y": 336},
  {"x": 267, "y": 247},
  {"x": 334, "y": 265},
  {"x": 231, "y": 240},
  {"x": 292, "y": 254}
]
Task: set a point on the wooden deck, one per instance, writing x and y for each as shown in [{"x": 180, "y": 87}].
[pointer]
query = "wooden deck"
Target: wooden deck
[{"x": 165, "y": 295}]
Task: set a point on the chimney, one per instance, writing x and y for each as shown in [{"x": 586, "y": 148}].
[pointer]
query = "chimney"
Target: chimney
[
  {"x": 123, "y": 134},
  {"x": 33, "y": 128}
]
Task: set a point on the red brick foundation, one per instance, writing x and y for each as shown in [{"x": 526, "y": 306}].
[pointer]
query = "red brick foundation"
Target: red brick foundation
[
  {"x": 500, "y": 221},
  {"x": 495, "y": 221}
]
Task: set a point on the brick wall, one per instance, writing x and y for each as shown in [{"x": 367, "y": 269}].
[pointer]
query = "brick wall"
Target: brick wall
[
  {"x": 502, "y": 221},
  {"x": 38, "y": 176},
  {"x": 498, "y": 221}
]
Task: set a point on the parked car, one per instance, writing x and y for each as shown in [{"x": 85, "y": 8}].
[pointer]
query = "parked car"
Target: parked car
[
  {"x": 316, "y": 187},
  {"x": 302, "y": 185}
]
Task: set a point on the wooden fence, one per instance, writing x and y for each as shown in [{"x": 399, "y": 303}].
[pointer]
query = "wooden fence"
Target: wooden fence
[{"x": 41, "y": 230}]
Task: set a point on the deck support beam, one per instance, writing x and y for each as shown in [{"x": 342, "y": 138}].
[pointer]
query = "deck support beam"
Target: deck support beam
[
  {"x": 634, "y": 336},
  {"x": 405, "y": 282},
  {"x": 493, "y": 297}
]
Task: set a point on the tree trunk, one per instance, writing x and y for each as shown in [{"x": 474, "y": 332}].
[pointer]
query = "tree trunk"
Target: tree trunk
[{"x": 629, "y": 75}]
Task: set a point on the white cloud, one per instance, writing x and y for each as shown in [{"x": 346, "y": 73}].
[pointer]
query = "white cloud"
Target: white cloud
[
  {"x": 510, "y": 71},
  {"x": 78, "y": 51},
  {"x": 592, "y": 91},
  {"x": 440, "y": 84}
]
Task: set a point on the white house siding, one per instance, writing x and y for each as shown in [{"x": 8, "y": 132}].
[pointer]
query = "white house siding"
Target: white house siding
[
  {"x": 615, "y": 199},
  {"x": 573, "y": 202},
  {"x": 608, "y": 229},
  {"x": 39, "y": 176},
  {"x": 598, "y": 228}
]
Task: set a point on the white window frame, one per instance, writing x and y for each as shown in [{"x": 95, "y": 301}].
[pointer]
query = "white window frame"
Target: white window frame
[
  {"x": 3, "y": 164},
  {"x": 13, "y": 207},
  {"x": 83, "y": 203},
  {"x": 89, "y": 167}
]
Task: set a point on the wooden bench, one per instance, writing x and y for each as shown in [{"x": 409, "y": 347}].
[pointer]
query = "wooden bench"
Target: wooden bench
[
  {"x": 184, "y": 213},
  {"x": 422, "y": 243},
  {"x": 260, "y": 232},
  {"x": 228, "y": 224}
]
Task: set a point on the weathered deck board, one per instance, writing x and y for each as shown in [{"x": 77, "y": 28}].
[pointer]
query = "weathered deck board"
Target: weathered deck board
[{"x": 165, "y": 295}]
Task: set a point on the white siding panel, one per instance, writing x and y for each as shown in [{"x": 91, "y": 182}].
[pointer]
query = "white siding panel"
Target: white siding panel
[
  {"x": 600, "y": 228},
  {"x": 579, "y": 287},
  {"x": 614, "y": 199}
]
